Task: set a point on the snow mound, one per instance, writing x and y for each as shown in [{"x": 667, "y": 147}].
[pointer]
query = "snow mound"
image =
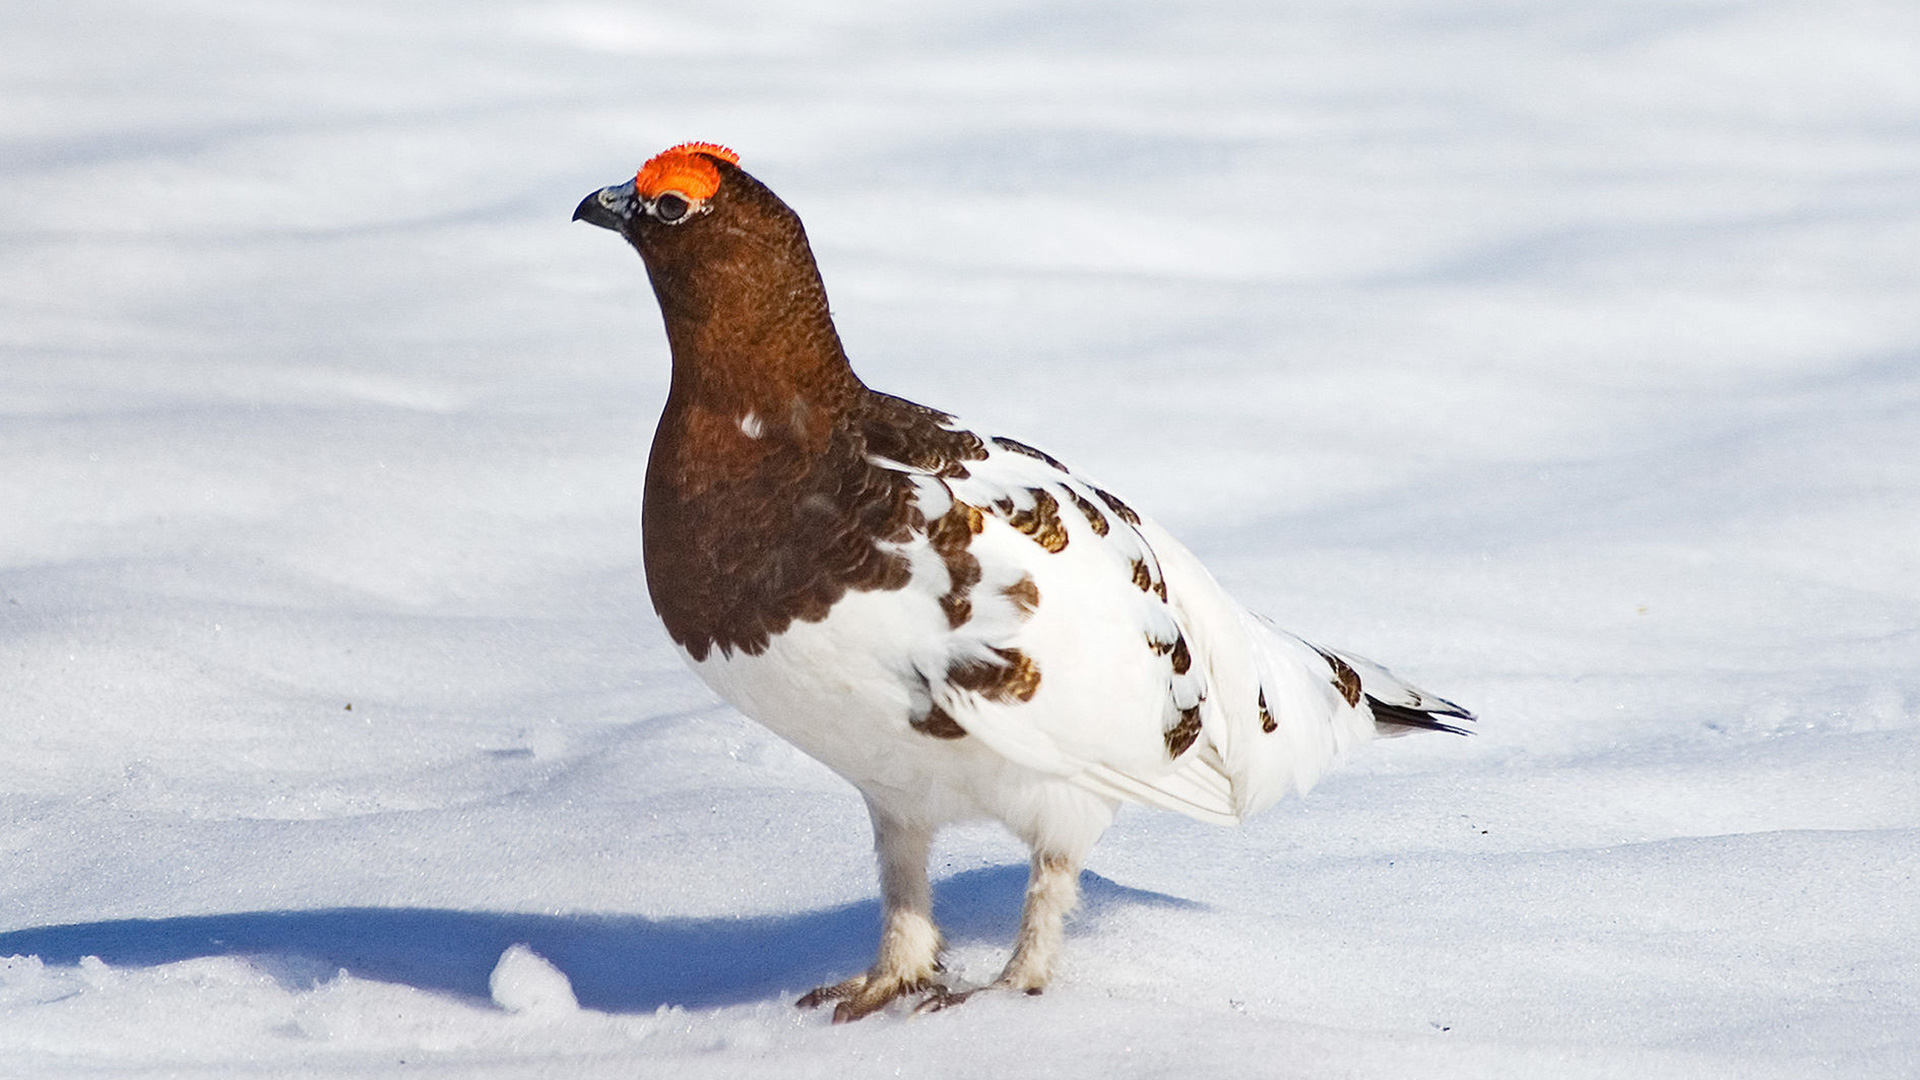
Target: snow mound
[{"x": 524, "y": 982}]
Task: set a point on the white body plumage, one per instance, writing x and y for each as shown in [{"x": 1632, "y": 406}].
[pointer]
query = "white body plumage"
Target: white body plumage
[{"x": 1054, "y": 767}]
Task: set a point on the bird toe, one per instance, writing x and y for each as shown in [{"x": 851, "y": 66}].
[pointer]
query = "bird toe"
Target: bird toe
[
  {"x": 820, "y": 995},
  {"x": 941, "y": 997}
]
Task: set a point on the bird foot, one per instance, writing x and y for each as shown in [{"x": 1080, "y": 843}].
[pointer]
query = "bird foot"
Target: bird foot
[
  {"x": 864, "y": 995},
  {"x": 941, "y": 997}
]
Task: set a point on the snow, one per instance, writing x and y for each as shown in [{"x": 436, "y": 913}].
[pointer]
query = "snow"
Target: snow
[
  {"x": 525, "y": 982},
  {"x": 1563, "y": 357}
]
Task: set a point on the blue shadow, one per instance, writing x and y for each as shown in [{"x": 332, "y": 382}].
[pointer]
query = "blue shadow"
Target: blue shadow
[{"x": 616, "y": 963}]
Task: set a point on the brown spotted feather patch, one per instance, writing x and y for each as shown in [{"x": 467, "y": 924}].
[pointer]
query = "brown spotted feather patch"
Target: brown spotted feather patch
[
  {"x": 1345, "y": 679},
  {"x": 950, "y": 536},
  {"x": 1142, "y": 577},
  {"x": 1010, "y": 676},
  {"x": 1120, "y": 509},
  {"x": 1019, "y": 447},
  {"x": 1182, "y": 659},
  {"x": 939, "y": 725},
  {"x": 1092, "y": 513},
  {"x": 1015, "y": 678},
  {"x": 1024, "y": 594},
  {"x": 1180, "y": 737},
  {"x": 1041, "y": 521}
]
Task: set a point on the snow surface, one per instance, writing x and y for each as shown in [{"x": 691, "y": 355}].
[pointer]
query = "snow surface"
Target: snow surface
[{"x": 1565, "y": 357}]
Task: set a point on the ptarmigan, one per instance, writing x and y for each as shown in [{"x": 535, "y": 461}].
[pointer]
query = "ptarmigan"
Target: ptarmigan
[{"x": 957, "y": 623}]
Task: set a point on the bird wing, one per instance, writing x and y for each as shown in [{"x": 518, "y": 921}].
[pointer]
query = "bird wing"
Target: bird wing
[{"x": 1095, "y": 647}]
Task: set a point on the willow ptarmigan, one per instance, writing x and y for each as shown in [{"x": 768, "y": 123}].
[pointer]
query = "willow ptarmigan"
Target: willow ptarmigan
[{"x": 957, "y": 623}]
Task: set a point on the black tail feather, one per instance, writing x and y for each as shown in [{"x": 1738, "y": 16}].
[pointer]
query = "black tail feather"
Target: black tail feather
[{"x": 1400, "y": 716}]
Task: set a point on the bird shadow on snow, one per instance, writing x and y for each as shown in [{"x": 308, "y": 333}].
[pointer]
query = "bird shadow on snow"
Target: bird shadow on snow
[{"x": 616, "y": 963}]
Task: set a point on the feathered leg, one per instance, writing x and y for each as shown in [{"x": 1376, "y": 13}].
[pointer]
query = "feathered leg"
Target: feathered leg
[
  {"x": 1053, "y": 890},
  {"x": 909, "y": 942}
]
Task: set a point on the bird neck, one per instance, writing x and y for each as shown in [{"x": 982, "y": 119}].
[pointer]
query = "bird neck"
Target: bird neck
[{"x": 767, "y": 350}]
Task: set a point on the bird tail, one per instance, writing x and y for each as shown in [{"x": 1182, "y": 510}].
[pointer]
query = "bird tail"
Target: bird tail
[{"x": 1398, "y": 706}]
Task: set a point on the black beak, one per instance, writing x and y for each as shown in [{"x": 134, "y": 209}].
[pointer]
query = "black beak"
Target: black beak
[{"x": 609, "y": 208}]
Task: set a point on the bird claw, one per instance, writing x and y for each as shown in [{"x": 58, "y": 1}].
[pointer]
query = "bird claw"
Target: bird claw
[{"x": 941, "y": 997}]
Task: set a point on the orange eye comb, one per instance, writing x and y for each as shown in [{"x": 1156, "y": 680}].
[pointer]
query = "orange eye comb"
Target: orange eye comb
[{"x": 684, "y": 169}]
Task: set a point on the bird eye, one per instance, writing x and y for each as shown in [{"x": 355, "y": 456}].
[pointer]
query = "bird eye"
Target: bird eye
[{"x": 671, "y": 208}]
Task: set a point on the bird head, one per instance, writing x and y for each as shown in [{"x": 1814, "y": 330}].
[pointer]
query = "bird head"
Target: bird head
[
  {"x": 675, "y": 188},
  {"x": 710, "y": 234},
  {"x": 729, "y": 262}
]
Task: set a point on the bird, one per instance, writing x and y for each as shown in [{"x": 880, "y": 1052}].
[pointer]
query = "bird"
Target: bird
[{"x": 954, "y": 621}]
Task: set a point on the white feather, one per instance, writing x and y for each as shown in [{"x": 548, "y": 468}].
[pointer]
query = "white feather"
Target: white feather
[{"x": 1094, "y": 732}]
